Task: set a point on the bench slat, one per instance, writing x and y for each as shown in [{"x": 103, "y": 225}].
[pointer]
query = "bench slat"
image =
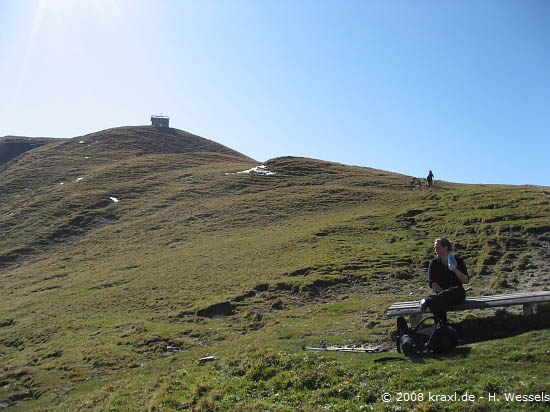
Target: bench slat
[
  {"x": 478, "y": 302},
  {"x": 482, "y": 301},
  {"x": 493, "y": 297}
]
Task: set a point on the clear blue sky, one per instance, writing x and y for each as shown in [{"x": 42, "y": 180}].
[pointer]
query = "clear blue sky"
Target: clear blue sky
[{"x": 461, "y": 87}]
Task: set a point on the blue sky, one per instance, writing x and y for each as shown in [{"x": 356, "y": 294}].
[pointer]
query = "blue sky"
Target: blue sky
[{"x": 459, "y": 87}]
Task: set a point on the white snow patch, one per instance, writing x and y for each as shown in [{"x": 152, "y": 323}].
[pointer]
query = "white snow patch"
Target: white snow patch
[
  {"x": 82, "y": 141},
  {"x": 62, "y": 183},
  {"x": 114, "y": 199},
  {"x": 262, "y": 170},
  {"x": 86, "y": 157},
  {"x": 78, "y": 179}
]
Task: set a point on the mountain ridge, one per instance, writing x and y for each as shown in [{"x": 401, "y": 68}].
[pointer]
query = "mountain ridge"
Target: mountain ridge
[{"x": 141, "y": 139}]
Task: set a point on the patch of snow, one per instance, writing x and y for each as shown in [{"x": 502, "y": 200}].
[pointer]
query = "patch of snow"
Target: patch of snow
[
  {"x": 62, "y": 183},
  {"x": 82, "y": 141},
  {"x": 114, "y": 199},
  {"x": 262, "y": 170},
  {"x": 78, "y": 179},
  {"x": 86, "y": 157}
]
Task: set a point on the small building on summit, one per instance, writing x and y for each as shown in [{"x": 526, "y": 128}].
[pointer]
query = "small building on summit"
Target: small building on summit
[{"x": 160, "y": 121}]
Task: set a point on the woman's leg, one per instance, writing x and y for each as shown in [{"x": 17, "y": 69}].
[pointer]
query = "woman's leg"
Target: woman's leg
[{"x": 439, "y": 302}]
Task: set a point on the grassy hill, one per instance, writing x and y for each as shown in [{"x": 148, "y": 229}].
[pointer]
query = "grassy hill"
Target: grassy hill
[
  {"x": 13, "y": 146},
  {"x": 130, "y": 253}
]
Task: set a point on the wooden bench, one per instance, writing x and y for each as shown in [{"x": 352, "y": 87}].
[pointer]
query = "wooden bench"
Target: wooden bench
[{"x": 527, "y": 299}]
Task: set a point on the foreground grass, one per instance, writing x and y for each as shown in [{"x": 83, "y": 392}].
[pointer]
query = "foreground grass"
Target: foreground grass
[{"x": 250, "y": 378}]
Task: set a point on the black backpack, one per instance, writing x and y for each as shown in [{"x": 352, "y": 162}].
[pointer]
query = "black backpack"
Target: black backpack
[{"x": 437, "y": 338}]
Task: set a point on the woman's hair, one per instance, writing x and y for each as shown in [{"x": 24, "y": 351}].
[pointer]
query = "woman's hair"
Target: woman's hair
[{"x": 445, "y": 243}]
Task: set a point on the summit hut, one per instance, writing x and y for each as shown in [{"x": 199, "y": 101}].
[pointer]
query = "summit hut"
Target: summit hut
[{"x": 160, "y": 121}]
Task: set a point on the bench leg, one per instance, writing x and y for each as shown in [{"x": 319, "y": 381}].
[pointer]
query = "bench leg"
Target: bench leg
[{"x": 527, "y": 309}]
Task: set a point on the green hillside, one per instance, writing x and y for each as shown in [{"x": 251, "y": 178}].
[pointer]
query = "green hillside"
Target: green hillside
[
  {"x": 130, "y": 253},
  {"x": 13, "y": 146}
]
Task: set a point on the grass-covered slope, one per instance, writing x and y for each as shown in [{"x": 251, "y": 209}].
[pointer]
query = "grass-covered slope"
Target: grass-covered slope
[
  {"x": 64, "y": 189},
  {"x": 130, "y": 253},
  {"x": 13, "y": 146}
]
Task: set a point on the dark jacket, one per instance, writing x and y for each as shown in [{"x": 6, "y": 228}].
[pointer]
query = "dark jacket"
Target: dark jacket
[{"x": 440, "y": 273}]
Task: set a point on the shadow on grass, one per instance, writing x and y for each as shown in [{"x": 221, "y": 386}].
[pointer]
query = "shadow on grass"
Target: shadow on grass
[
  {"x": 502, "y": 325},
  {"x": 458, "y": 352},
  {"x": 499, "y": 326}
]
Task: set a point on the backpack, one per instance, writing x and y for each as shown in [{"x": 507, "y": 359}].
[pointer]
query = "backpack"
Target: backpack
[{"x": 438, "y": 338}]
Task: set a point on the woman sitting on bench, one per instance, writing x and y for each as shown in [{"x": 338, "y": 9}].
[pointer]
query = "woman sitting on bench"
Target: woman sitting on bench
[{"x": 446, "y": 279}]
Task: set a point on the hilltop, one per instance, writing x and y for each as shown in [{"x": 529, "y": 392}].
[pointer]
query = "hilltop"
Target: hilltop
[
  {"x": 41, "y": 192},
  {"x": 135, "y": 251}
]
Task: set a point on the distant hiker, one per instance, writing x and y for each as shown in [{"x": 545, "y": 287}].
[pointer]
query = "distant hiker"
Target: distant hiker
[
  {"x": 430, "y": 179},
  {"x": 446, "y": 274}
]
